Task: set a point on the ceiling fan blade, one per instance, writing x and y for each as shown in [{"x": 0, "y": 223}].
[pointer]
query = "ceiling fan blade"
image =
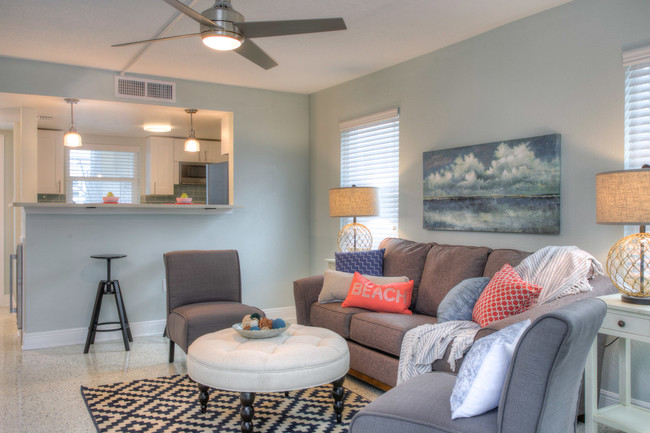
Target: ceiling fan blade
[
  {"x": 261, "y": 29},
  {"x": 256, "y": 55},
  {"x": 191, "y": 13},
  {"x": 166, "y": 38}
]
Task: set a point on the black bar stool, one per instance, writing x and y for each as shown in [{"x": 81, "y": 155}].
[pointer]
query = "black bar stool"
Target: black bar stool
[{"x": 109, "y": 287}]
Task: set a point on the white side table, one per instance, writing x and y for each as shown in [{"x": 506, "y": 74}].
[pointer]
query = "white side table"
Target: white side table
[
  {"x": 331, "y": 263},
  {"x": 628, "y": 322}
]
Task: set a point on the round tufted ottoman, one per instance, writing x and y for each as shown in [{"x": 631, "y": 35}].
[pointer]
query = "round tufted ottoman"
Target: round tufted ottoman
[{"x": 299, "y": 358}]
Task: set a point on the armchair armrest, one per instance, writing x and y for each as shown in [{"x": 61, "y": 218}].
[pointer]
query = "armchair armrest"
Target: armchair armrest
[{"x": 305, "y": 293}]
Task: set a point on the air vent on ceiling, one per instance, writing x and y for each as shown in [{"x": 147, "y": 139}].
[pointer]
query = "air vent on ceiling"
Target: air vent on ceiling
[{"x": 142, "y": 88}]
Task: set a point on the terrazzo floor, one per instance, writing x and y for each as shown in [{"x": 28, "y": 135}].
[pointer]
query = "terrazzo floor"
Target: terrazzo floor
[{"x": 40, "y": 389}]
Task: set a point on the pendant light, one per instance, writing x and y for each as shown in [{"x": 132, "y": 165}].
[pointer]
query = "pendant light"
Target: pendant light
[
  {"x": 191, "y": 144},
  {"x": 72, "y": 137}
]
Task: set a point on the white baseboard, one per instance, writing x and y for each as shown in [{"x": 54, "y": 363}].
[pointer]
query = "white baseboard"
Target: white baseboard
[
  {"x": 68, "y": 337},
  {"x": 285, "y": 313},
  {"x": 608, "y": 398}
]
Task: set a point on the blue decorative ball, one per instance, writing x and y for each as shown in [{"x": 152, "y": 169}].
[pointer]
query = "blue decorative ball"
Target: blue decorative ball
[
  {"x": 255, "y": 328},
  {"x": 278, "y": 323}
]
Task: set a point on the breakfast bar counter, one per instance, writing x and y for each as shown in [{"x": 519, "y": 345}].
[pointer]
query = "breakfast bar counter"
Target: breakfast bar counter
[{"x": 125, "y": 209}]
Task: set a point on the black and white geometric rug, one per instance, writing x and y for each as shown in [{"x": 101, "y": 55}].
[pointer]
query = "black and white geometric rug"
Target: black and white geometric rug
[{"x": 171, "y": 404}]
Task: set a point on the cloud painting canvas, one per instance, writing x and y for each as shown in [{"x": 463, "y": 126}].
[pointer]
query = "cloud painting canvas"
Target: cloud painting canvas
[{"x": 509, "y": 187}]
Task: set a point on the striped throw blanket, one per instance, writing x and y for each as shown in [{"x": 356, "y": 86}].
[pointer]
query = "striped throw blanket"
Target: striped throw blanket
[
  {"x": 560, "y": 271},
  {"x": 424, "y": 344}
]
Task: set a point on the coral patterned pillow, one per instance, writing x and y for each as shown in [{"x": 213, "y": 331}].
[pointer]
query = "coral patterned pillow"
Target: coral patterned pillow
[
  {"x": 505, "y": 295},
  {"x": 387, "y": 298}
]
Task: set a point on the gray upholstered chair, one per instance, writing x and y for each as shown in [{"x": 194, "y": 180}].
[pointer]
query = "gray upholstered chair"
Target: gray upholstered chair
[
  {"x": 203, "y": 295},
  {"x": 540, "y": 394}
]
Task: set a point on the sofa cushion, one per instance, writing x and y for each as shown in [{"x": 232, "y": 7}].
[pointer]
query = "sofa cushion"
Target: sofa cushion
[
  {"x": 365, "y": 262},
  {"x": 385, "y": 331},
  {"x": 334, "y": 317},
  {"x": 403, "y": 257},
  {"x": 505, "y": 295},
  {"x": 387, "y": 298},
  {"x": 500, "y": 257},
  {"x": 446, "y": 266},
  {"x": 336, "y": 285}
]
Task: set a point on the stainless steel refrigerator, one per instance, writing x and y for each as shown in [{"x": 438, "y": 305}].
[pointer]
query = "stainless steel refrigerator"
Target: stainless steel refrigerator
[{"x": 217, "y": 183}]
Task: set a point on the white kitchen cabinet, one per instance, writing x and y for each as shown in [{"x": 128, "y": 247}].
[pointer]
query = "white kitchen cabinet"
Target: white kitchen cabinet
[
  {"x": 50, "y": 162},
  {"x": 160, "y": 166},
  {"x": 210, "y": 152}
]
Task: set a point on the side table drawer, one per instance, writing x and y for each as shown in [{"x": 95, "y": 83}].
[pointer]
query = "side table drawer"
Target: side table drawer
[{"x": 624, "y": 323}]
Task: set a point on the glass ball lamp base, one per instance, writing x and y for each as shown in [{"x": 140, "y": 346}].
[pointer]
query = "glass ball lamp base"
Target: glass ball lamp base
[{"x": 354, "y": 237}]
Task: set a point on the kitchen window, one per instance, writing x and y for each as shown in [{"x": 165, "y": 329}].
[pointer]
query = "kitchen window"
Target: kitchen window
[
  {"x": 93, "y": 171},
  {"x": 370, "y": 157}
]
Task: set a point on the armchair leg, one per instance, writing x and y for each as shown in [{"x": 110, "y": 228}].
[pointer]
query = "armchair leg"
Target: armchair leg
[{"x": 171, "y": 351}]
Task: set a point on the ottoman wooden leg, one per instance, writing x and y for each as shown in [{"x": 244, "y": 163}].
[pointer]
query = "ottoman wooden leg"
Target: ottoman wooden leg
[
  {"x": 338, "y": 393},
  {"x": 204, "y": 396},
  {"x": 247, "y": 411}
]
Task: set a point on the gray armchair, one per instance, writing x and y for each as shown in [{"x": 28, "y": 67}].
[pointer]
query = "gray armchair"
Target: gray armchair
[
  {"x": 203, "y": 295},
  {"x": 540, "y": 394}
]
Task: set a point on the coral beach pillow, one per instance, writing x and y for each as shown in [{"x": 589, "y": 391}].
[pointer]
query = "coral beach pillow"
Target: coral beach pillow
[
  {"x": 505, "y": 295},
  {"x": 387, "y": 298}
]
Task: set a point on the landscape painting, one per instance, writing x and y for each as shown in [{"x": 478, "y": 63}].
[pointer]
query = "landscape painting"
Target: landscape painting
[{"x": 509, "y": 187}]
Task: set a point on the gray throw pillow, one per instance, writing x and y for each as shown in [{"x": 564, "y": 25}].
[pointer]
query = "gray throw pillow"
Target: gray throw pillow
[{"x": 459, "y": 302}]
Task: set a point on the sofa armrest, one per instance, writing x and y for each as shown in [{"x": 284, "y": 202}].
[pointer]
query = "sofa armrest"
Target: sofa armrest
[
  {"x": 601, "y": 286},
  {"x": 305, "y": 293}
]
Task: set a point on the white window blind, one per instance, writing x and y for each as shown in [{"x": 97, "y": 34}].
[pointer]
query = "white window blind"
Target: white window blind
[
  {"x": 94, "y": 171},
  {"x": 370, "y": 157},
  {"x": 637, "y": 115}
]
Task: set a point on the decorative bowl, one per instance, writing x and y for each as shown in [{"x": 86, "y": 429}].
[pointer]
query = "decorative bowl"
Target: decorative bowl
[
  {"x": 111, "y": 199},
  {"x": 262, "y": 333},
  {"x": 183, "y": 200}
]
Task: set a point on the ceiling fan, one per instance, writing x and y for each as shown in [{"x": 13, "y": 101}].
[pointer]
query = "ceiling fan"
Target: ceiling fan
[{"x": 223, "y": 28}]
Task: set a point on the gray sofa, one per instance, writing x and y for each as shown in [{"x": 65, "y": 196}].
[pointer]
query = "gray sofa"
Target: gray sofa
[
  {"x": 375, "y": 339},
  {"x": 539, "y": 394}
]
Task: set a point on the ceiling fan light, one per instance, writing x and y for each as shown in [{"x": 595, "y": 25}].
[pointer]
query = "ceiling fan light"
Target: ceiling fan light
[
  {"x": 72, "y": 138},
  {"x": 221, "y": 42},
  {"x": 192, "y": 145}
]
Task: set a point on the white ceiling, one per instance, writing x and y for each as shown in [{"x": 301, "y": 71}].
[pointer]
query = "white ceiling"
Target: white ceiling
[{"x": 380, "y": 33}]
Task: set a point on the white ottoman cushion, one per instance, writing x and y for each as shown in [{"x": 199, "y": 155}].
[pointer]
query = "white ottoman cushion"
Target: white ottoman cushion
[{"x": 299, "y": 358}]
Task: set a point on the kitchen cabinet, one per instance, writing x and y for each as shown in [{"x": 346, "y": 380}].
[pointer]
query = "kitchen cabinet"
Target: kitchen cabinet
[
  {"x": 50, "y": 162},
  {"x": 210, "y": 152},
  {"x": 160, "y": 166}
]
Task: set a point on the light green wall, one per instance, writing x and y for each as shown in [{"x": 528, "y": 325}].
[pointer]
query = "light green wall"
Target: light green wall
[
  {"x": 270, "y": 231},
  {"x": 555, "y": 72}
]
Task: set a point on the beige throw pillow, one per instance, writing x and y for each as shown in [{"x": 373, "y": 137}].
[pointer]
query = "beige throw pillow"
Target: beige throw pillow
[{"x": 337, "y": 284}]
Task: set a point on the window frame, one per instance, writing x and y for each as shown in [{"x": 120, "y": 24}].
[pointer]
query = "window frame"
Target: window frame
[
  {"x": 384, "y": 128},
  {"x": 135, "y": 181}
]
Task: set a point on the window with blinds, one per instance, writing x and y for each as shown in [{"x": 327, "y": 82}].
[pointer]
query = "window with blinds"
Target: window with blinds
[
  {"x": 370, "y": 157},
  {"x": 94, "y": 171},
  {"x": 637, "y": 107}
]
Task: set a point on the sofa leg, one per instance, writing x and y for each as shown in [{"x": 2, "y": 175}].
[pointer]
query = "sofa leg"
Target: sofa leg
[{"x": 171, "y": 351}]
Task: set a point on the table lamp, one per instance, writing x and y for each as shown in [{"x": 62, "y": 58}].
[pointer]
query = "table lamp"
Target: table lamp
[
  {"x": 621, "y": 199},
  {"x": 354, "y": 202}
]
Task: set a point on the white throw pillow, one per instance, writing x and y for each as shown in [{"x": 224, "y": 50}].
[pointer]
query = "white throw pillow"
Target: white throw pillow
[
  {"x": 483, "y": 372},
  {"x": 337, "y": 284}
]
